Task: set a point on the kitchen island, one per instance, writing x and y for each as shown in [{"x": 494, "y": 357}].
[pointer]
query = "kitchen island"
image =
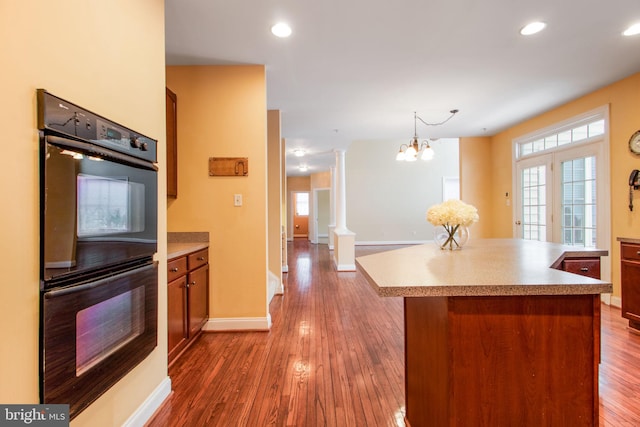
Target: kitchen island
[{"x": 496, "y": 334}]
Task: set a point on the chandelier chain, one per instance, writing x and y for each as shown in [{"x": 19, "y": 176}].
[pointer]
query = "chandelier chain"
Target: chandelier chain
[{"x": 453, "y": 113}]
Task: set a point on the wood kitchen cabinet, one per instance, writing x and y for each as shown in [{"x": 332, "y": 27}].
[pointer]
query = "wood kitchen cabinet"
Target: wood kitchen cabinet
[
  {"x": 172, "y": 144},
  {"x": 630, "y": 282},
  {"x": 187, "y": 300},
  {"x": 589, "y": 267}
]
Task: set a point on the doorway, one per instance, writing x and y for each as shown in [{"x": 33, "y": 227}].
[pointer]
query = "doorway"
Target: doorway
[
  {"x": 321, "y": 215},
  {"x": 301, "y": 214}
]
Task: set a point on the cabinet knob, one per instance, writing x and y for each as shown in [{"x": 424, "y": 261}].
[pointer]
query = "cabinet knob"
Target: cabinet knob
[
  {"x": 174, "y": 270},
  {"x": 584, "y": 269},
  {"x": 200, "y": 258},
  {"x": 638, "y": 253},
  {"x": 193, "y": 283}
]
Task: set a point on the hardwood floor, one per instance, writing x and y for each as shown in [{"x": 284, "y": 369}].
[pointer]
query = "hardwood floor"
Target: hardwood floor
[
  {"x": 335, "y": 357},
  {"x": 619, "y": 371}
]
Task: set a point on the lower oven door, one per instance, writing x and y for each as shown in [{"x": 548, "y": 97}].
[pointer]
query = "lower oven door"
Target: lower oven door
[{"x": 94, "y": 333}]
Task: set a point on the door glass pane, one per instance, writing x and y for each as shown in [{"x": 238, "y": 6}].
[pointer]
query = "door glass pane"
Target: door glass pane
[
  {"x": 579, "y": 202},
  {"x": 302, "y": 204},
  {"x": 533, "y": 192}
]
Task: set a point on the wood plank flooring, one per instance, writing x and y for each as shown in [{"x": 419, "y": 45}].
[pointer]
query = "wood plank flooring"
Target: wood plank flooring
[{"x": 335, "y": 357}]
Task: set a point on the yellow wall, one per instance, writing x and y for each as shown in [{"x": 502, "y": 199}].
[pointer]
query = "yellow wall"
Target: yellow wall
[
  {"x": 622, "y": 97},
  {"x": 114, "y": 71},
  {"x": 275, "y": 185},
  {"x": 475, "y": 180},
  {"x": 283, "y": 200},
  {"x": 222, "y": 112},
  {"x": 320, "y": 180}
]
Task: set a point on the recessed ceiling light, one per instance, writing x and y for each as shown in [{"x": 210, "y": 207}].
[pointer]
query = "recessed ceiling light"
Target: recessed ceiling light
[
  {"x": 281, "y": 30},
  {"x": 298, "y": 152},
  {"x": 632, "y": 30},
  {"x": 303, "y": 168},
  {"x": 532, "y": 28}
]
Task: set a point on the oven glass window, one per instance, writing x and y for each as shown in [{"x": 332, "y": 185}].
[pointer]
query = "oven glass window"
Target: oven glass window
[
  {"x": 109, "y": 205},
  {"x": 105, "y": 327}
]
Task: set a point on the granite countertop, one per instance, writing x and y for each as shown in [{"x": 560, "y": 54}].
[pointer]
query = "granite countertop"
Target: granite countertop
[
  {"x": 628, "y": 240},
  {"x": 176, "y": 250},
  {"x": 484, "y": 267},
  {"x": 183, "y": 243}
]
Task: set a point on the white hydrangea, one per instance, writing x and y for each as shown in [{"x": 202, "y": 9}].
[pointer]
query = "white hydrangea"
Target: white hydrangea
[{"x": 452, "y": 212}]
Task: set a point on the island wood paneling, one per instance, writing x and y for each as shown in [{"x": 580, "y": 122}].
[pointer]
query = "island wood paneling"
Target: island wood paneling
[{"x": 499, "y": 361}]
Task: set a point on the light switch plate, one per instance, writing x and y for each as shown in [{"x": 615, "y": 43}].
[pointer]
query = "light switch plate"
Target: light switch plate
[{"x": 237, "y": 200}]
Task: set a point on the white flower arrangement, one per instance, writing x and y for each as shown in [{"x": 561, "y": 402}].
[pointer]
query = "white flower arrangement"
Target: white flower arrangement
[
  {"x": 452, "y": 212},
  {"x": 451, "y": 215}
]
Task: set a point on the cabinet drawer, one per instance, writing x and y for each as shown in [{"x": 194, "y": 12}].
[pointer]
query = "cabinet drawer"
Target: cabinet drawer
[
  {"x": 199, "y": 258},
  {"x": 630, "y": 252},
  {"x": 589, "y": 267},
  {"x": 176, "y": 268}
]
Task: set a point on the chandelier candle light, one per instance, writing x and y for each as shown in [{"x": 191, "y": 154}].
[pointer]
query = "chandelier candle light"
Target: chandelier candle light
[
  {"x": 409, "y": 152},
  {"x": 451, "y": 220}
]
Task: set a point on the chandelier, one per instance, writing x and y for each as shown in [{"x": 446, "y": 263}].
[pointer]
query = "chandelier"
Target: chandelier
[{"x": 409, "y": 152}]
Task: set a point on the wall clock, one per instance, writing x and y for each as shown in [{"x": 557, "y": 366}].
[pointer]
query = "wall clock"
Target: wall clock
[{"x": 634, "y": 143}]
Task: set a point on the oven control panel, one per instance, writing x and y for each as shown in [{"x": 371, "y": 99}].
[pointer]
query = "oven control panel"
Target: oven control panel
[{"x": 61, "y": 116}]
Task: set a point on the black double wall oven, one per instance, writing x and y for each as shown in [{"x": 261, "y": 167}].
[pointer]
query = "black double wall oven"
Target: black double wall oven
[{"x": 98, "y": 236}]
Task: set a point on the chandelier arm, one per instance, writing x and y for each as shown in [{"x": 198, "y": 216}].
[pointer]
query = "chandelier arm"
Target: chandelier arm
[{"x": 453, "y": 113}]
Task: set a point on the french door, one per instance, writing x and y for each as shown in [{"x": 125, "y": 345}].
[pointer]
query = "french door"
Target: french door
[{"x": 562, "y": 197}]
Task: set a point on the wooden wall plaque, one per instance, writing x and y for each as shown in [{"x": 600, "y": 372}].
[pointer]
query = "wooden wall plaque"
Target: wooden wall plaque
[{"x": 228, "y": 166}]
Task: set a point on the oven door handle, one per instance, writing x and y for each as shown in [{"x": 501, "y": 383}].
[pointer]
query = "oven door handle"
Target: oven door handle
[{"x": 54, "y": 293}]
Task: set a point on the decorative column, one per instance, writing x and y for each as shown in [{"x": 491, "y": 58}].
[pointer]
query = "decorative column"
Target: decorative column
[
  {"x": 332, "y": 206},
  {"x": 344, "y": 240}
]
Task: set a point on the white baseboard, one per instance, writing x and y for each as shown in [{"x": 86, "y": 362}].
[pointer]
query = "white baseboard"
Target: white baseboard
[
  {"x": 615, "y": 301},
  {"x": 238, "y": 324},
  {"x": 391, "y": 242},
  {"x": 274, "y": 285},
  {"x": 345, "y": 267},
  {"x": 151, "y": 404}
]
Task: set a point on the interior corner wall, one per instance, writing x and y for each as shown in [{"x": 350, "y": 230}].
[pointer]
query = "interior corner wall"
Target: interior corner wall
[
  {"x": 387, "y": 200},
  {"x": 475, "y": 181},
  {"x": 284, "y": 203},
  {"x": 219, "y": 107},
  {"x": 274, "y": 157},
  {"x": 82, "y": 64}
]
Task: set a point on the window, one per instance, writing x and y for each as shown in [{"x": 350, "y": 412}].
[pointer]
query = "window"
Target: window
[
  {"x": 302, "y": 204},
  {"x": 583, "y": 130},
  {"x": 534, "y": 205},
  {"x": 579, "y": 211}
]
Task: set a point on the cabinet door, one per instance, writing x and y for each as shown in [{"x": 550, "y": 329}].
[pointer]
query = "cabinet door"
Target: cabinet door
[
  {"x": 177, "y": 315},
  {"x": 630, "y": 273},
  {"x": 172, "y": 144},
  {"x": 198, "y": 299}
]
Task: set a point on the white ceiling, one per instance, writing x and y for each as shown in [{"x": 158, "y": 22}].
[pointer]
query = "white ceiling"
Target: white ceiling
[{"x": 358, "y": 69}]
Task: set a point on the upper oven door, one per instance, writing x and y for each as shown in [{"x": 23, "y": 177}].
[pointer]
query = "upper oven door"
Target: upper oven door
[{"x": 99, "y": 208}]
